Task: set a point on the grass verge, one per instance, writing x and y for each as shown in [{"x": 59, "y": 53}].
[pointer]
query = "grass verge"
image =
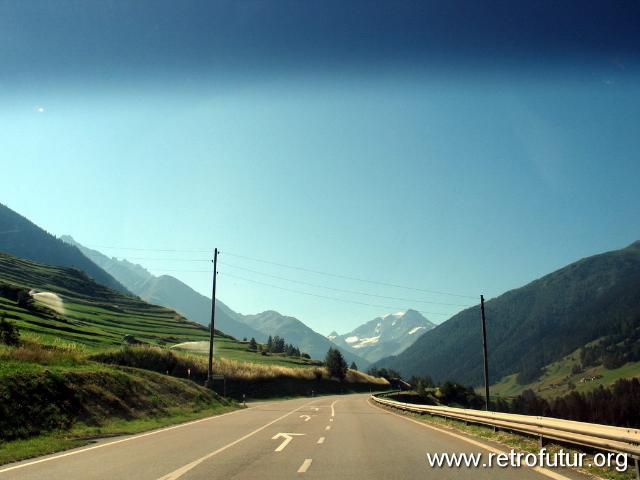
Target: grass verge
[{"x": 83, "y": 434}]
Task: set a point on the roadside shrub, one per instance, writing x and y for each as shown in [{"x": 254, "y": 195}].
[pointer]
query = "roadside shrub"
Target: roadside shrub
[
  {"x": 147, "y": 358},
  {"x": 9, "y": 332},
  {"x": 34, "y": 352},
  {"x": 452, "y": 394}
]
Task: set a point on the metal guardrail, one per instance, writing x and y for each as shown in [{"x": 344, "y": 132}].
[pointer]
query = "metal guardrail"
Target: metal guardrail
[{"x": 600, "y": 437}]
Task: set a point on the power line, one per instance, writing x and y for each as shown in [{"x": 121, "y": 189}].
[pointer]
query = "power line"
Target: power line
[
  {"x": 323, "y": 296},
  {"x": 341, "y": 289},
  {"x": 335, "y": 275},
  {"x": 180, "y": 271},
  {"x": 157, "y": 259},
  {"x": 283, "y": 265},
  {"x": 149, "y": 249}
]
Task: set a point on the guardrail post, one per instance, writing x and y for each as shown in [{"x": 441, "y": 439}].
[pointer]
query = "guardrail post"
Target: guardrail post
[
  {"x": 541, "y": 441},
  {"x": 637, "y": 463}
]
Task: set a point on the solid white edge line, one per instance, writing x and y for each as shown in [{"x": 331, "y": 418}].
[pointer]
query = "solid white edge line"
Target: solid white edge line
[
  {"x": 305, "y": 465},
  {"x": 115, "y": 442},
  {"x": 541, "y": 470}
]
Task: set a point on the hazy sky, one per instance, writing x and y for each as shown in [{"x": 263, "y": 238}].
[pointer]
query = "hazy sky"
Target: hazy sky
[{"x": 440, "y": 145}]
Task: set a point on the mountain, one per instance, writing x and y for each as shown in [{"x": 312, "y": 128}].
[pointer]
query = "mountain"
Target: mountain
[
  {"x": 22, "y": 238},
  {"x": 384, "y": 336},
  {"x": 169, "y": 292},
  {"x": 297, "y": 333},
  {"x": 596, "y": 298}
]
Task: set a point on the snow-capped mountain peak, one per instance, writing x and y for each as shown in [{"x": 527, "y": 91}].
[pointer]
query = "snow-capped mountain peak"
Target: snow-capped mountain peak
[{"x": 385, "y": 335}]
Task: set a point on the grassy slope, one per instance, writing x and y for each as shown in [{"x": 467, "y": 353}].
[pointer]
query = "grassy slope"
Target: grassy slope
[
  {"x": 58, "y": 399},
  {"x": 557, "y": 376},
  {"x": 98, "y": 318}
]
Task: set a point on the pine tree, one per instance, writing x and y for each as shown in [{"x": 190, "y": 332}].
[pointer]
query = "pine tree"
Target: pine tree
[
  {"x": 253, "y": 345},
  {"x": 336, "y": 366},
  {"x": 354, "y": 366}
]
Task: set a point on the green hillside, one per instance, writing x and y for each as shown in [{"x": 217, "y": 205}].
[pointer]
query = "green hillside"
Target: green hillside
[
  {"x": 169, "y": 292},
  {"x": 562, "y": 376},
  {"x": 22, "y": 238},
  {"x": 538, "y": 324},
  {"x": 98, "y": 318}
]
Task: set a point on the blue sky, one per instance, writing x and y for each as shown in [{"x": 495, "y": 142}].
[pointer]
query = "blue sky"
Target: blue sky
[{"x": 469, "y": 159}]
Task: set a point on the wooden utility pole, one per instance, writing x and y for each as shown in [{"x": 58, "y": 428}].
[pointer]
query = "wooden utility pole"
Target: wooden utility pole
[
  {"x": 484, "y": 352},
  {"x": 213, "y": 319}
]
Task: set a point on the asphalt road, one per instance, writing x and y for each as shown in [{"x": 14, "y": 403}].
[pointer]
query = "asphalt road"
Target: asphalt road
[{"x": 336, "y": 437}]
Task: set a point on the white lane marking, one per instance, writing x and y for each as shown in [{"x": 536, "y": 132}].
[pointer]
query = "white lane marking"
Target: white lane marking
[
  {"x": 542, "y": 471},
  {"x": 320, "y": 440},
  {"x": 115, "y": 442},
  {"x": 328, "y": 427},
  {"x": 287, "y": 439},
  {"x": 331, "y": 419},
  {"x": 315, "y": 409},
  {"x": 305, "y": 465},
  {"x": 333, "y": 410},
  {"x": 306, "y": 417},
  {"x": 182, "y": 470}
]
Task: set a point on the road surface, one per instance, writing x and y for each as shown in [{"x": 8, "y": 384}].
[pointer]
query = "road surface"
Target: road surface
[{"x": 333, "y": 437}]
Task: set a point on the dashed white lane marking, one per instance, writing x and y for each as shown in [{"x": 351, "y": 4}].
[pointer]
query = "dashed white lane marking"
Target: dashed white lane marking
[
  {"x": 331, "y": 419},
  {"x": 328, "y": 427},
  {"x": 305, "y": 465},
  {"x": 116, "y": 442},
  {"x": 333, "y": 410},
  {"x": 320, "y": 440},
  {"x": 542, "y": 471},
  {"x": 182, "y": 470}
]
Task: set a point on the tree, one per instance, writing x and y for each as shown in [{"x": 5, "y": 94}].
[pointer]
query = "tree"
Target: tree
[
  {"x": 9, "y": 333},
  {"x": 354, "y": 366},
  {"x": 253, "y": 345},
  {"x": 336, "y": 366},
  {"x": 278, "y": 344},
  {"x": 25, "y": 300}
]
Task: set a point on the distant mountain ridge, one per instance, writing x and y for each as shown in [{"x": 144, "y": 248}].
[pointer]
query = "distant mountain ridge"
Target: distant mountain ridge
[
  {"x": 535, "y": 325},
  {"x": 22, "y": 238},
  {"x": 168, "y": 291},
  {"x": 296, "y": 332},
  {"x": 384, "y": 336}
]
